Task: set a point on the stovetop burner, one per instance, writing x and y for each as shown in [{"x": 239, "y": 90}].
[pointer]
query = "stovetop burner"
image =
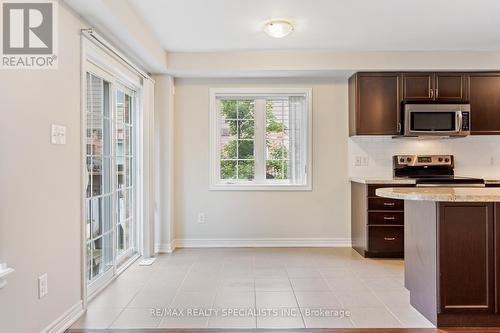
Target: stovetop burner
[{"x": 431, "y": 170}]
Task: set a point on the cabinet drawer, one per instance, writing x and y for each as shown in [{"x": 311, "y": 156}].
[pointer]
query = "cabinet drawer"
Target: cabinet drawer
[
  {"x": 386, "y": 239},
  {"x": 385, "y": 204},
  {"x": 386, "y": 218}
]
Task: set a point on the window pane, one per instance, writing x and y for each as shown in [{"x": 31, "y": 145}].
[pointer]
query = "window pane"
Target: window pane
[
  {"x": 96, "y": 176},
  {"x": 107, "y": 213},
  {"x": 120, "y": 172},
  {"x": 89, "y": 177},
  {"x": 127, "y": 144},
  {"x": 108, "y": 251},
  {"x": 89, "y": 261},
  {"x": 228, "y": 148},
  {"x": 89, "y": 140},
  {"x": 120, "y": 205},
  {"x": 126, "y": 109},
  {"x": 96, "y": 218},
  {"x": 128, "y": 172},
  {"x": 275, "y": 150},
  {"x": 277, "y": 138},
  {"x": 228, "y": 170},
  {"x": 245, "y": 149},
  {"x": 229, "y": 109},
  {"x": 246, "y": 109},
  {"x": 245, "y": 170},
  {"x": 277, "y": 169},
  {"x": 128, "y": 204},
  {"x": 245, "y": 129},
  {"x": 88, "y": 219},
  {"x": 96, "y": 263}
]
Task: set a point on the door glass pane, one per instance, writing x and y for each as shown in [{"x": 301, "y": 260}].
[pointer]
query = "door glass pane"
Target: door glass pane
[
  {"x": 98, "y": 169},
  {"x": 97, "y": 267},
  {"x": 124, "y": 170}
]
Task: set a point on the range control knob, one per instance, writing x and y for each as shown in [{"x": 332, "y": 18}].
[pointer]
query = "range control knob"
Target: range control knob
[
  {"x": 440, "y": 159},
  {"x": 408, "y": 159},
  {"x": 401, "y": 160},
  {"x": 447, "y": 160}
]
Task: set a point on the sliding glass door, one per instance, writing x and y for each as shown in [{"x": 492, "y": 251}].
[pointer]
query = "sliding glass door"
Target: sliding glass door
[{"x": 110, "y": 166}]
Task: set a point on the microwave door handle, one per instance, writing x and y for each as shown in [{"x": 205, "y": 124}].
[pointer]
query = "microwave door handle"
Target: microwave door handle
[{"x": 459, "y": 121}]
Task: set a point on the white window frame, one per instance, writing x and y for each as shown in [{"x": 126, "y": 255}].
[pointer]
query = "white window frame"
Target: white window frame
[{"x": 216, "y": 183}]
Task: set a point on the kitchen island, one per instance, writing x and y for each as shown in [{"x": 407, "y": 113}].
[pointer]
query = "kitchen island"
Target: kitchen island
[{"x": 452, "y": 253}]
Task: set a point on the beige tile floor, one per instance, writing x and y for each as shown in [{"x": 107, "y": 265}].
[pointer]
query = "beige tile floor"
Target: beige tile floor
[{"x": 266, "y": 287}]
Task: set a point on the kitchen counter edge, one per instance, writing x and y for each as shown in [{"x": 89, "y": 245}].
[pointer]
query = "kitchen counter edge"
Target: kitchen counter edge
[
  {"x": 442, "y": 194},
  {"x": 377, "y": 181}
]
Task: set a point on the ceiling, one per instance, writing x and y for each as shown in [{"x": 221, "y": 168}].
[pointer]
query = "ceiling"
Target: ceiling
[{"x": 229, "y": 25}]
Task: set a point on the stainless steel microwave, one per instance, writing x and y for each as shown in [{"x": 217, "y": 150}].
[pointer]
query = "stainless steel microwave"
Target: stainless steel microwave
[{"x": 436, "y": 120}]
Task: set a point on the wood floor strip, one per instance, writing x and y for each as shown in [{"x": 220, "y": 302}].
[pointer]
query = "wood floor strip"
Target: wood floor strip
[{"x": 303, "y": 330}]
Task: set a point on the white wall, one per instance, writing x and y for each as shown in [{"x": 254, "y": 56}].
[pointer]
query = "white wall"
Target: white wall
[
  {"x": 475, "y": 156},
  {"x": 322, "y": 213},
  {"x": 319, "y": 214},
  {"x": 40, "y": 187}
]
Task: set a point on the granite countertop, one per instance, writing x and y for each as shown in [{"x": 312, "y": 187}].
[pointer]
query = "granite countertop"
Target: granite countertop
[
  {"x": 374, "y": 181},
  {"x": 446, "y": 194}
]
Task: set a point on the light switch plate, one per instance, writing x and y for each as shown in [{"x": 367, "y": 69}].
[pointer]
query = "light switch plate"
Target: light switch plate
[
  {"x": 58, "y": 135},
  {"x": 43, "y": 285}
]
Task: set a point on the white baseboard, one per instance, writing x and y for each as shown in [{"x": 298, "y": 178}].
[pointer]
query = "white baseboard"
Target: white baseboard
[
  {"x": 67, "y": 319},
  {"x": 164, "y": 248},
  {"x": 254, "y": 242}
]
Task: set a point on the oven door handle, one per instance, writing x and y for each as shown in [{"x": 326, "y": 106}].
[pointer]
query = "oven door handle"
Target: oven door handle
[{"x": 459, "y": 121}]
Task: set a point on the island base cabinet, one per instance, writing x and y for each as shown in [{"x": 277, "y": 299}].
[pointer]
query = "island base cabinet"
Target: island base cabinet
[
  {"x": 466, "y": 258},
  {"x": 452, "y": 262}
]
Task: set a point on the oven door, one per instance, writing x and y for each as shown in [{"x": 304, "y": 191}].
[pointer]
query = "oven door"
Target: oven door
[{"x": 434, "y": 119}]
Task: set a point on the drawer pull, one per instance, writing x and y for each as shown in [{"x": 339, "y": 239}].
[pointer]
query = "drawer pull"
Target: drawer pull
[
  {"x": 389, "y": 203},
  {"x": 389, "y": 238},
  {"x": 389, "y": 218}
]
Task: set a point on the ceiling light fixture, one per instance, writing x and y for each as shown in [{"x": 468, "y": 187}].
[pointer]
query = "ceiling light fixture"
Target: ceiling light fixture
[{"x": 278, "y": 28}]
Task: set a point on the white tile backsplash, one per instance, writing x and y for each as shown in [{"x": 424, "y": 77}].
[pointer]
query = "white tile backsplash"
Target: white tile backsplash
[{"x": 477, "y": 156}]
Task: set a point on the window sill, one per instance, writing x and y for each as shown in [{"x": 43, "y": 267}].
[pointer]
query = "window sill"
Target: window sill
[{"x": 259, "y": 187}]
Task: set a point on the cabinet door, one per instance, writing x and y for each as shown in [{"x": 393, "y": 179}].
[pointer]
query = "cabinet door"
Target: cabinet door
[
  {"x": 418, "y": 86},
  {"x": 484, "y": 98},
  {"x": 450, "y": 87},
  {"x": 375, "y": 104},
  {"x": 466, "y": 258}
]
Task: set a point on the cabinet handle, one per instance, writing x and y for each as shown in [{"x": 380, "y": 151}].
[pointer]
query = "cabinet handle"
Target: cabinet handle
[
  {"x": 437, "y": 92},
  {"x": 389, "y": 203},
  {"x": 389, "y": 238},
  {"x": 432, "y": 93},
  {"x": 389, "y": 218}
]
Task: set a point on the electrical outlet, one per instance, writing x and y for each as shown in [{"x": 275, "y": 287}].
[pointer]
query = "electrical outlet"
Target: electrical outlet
[
  {"x": 361, "y": 161},
  {"x": 202, "y": 218},
  {"x": 43, "y": 285}
]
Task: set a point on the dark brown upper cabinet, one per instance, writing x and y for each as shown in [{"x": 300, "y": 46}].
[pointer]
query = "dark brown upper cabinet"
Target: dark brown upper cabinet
[
  {"x": 445, "y": 87},
  {"x": 418, "y": 86},
  {"x": 484, "y": 98},
  {"x": 374, "y": 103}
]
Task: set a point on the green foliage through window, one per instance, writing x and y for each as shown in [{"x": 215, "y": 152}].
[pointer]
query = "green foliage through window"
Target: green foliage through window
[{"x": 238, "y": 138}]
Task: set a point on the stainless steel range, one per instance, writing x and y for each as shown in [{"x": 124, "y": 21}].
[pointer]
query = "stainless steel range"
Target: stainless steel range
[{"x": 432, "y": 170}]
